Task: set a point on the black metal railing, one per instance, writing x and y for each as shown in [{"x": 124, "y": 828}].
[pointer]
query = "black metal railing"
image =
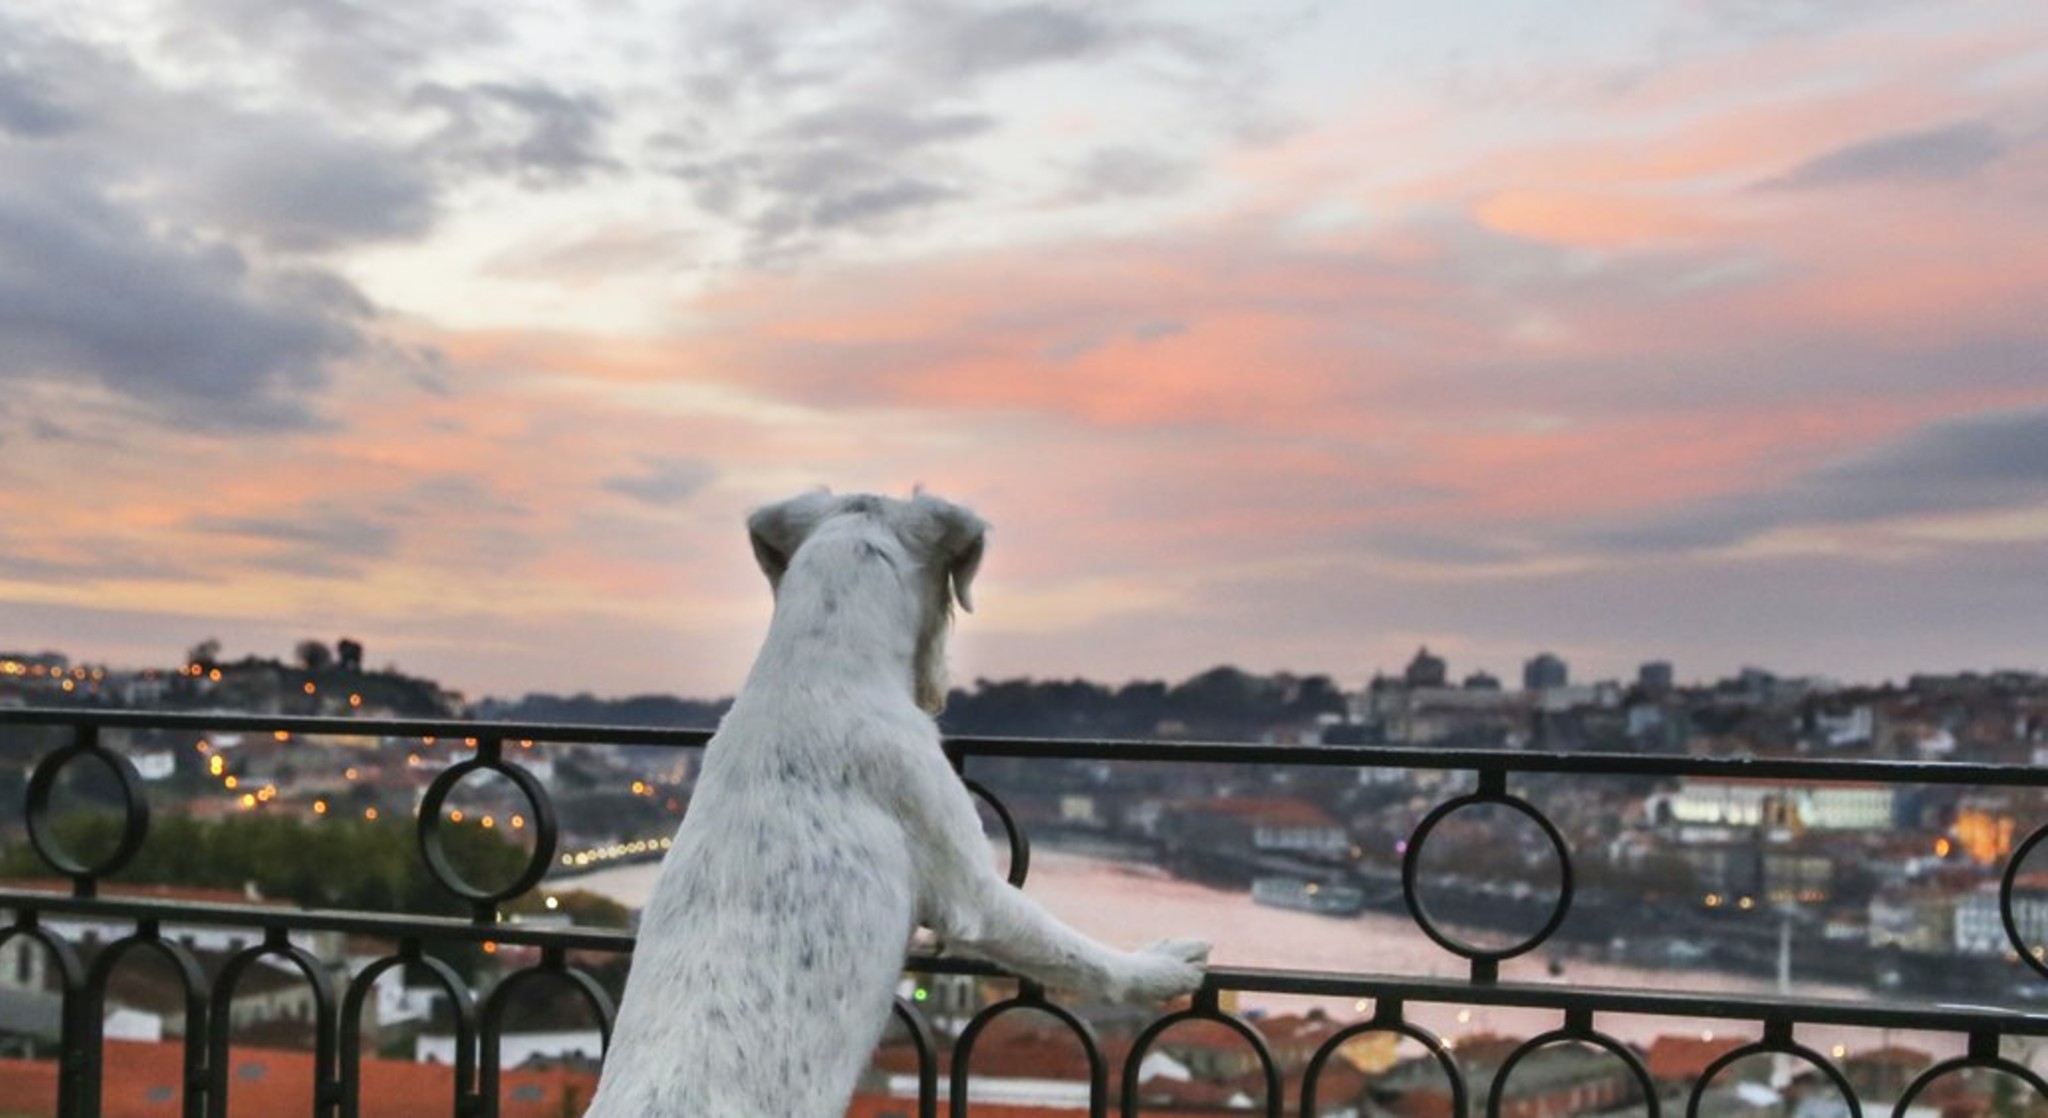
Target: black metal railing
[{"x": 1984, "y": 1035}]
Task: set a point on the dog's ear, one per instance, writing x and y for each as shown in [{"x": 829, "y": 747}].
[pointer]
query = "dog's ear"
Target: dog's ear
[
  {"x": 961, "y": 537},
  {"x": 777, "y": 530},
  {"x": 967, "y": 564}
]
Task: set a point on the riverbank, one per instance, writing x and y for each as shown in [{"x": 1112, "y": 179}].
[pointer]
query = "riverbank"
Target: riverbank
[{"x": 1128, "y": 904}]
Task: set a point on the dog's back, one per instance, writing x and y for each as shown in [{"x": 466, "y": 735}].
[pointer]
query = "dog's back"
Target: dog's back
[
  {"x": 770, "y": 951},
  {"x": 827, "y": 820}
]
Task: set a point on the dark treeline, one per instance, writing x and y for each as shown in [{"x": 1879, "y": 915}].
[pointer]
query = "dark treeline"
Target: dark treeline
[
  {"x": 1221, "y": 703},
  {"x": 588, "y": 710}
]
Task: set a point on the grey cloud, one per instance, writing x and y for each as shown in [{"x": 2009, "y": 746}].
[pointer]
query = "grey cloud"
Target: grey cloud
[
  {"x": 98, "y": 561},
  {"x": 353, "y": 54},
  {"x": 1927, "y": 155},
  {"x": 32, "y": 103},
  {"x": 1091, "y": 336},
  {"x": 323, "y": 541},
  {"x": 429, "y": 497},
  {"x": 183, "y": 325},
  {"x": 533, "y": 132},
  {"x": 664, "y": 481},
  {"x": 795, "y": 153},
  {"x": 885, "y": 126},
  {"x": 865, "y": 204},
  {"x": 27, "y": 110},
  {"x": 298, "y": 187},
  {"x": 1129, "y": 172},
  {"x": 1442, "y": 549},
  {"x": 1989, "y": 461},
  {"x": 973, "y": 43},
  {"x": 789, "y": 193}
]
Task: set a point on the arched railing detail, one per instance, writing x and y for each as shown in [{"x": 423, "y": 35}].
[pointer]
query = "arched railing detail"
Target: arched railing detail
[
  {"x": 1578, "y": 1029},
  {"x": 553, "y": 967},
  {"x": 1206, "y": 1007},
  {"x": 462, "y": 1006},
  {"x": 148, "y": 939},
  {"x": 1983, "y": 1055},
  {"x": 220, "y": 1022},
  {"x": 1777, "y": 1041},
  {"x": 71, "y": 979},
  {"x": 1386, "y": 1018},
  {"x": 1030, "y": 996}
]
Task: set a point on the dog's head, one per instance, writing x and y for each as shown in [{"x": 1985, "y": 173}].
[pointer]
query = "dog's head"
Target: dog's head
[{"x": 935, "y": 546}]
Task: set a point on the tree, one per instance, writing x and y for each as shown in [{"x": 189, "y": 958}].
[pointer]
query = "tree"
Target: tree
[
  {"x": 205, "y": 654},
  {"x": 314, "y": 655}
]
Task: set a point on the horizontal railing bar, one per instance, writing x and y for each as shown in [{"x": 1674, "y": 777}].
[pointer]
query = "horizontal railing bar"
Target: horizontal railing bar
[
  {"x": 1936, "y": 1017},
  {"x": 355, "y": 727},
  {"x": 446, "y": 928},
  {"x": 1514, "y": 761},
  {"x": 1104, "y": 749},
  {"x": 1410, "y": 989}
]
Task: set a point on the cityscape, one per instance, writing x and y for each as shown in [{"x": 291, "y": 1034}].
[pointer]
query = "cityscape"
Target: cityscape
[
  {"x": 1520, "y": 524},
  {"x": 1702, "y": 882}
]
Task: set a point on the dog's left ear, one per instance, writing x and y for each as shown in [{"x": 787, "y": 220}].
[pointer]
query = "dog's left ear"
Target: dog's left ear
[
  {"x": 777, "y": 530},
  {"x": 967, "y": 564},
  {"x": 961, "y": 537}
]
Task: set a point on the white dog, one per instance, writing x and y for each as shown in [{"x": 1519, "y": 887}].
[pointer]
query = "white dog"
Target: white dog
[{"x": 826, "y": 825}]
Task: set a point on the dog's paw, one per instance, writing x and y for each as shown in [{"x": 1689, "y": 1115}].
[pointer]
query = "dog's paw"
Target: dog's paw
[{"x": 1165, "y": 969}]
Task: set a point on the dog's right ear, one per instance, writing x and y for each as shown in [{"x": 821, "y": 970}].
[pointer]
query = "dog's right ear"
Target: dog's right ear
[{"x": 777, "y": 530}]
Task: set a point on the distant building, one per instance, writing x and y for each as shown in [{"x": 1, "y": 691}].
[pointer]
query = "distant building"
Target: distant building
[
  {"x": 1544, "y": 671},
  {"x": 1745, "y": 802},
  {"x": 1482, "y": 681},
  {"x": 1980, "y": 930},
  {"x": 1426, "y": 670},
  {"x": 1655, "y": 677}
]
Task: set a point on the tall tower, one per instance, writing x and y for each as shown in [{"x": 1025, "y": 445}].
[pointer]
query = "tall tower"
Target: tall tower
[{"x": 1544, "y": 671}]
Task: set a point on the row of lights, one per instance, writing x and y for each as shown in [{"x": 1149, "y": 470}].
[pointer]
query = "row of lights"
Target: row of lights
[
  {"x": 38, "y": 671},
  {"x": 456, "y": 815},
  {"x": 617, "y": 850},
  {"x": 1746, "y": 902}
]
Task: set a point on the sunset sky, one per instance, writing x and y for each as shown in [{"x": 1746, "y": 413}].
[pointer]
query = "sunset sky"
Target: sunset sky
[{"x": 1289, "y": 335}]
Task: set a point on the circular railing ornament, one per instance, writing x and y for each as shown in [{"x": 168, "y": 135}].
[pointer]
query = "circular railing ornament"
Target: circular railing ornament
[
  {"x": 42, "y": 788},
  {"x": 484, "y": 900},
  {"x": 2030, "y": 954},
  {"x": 1411, "y": 876}
]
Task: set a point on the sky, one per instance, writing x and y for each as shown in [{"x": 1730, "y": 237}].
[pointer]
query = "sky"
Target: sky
[{"x": 1287, "y": 335}]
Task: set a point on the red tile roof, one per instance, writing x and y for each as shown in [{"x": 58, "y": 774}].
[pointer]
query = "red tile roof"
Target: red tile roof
[
  {"x": 139, "y": 1080},
  {"x": 1681, "y": 1059}
]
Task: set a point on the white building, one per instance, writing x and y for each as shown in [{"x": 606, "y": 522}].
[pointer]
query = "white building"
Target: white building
[
  {"x": 518, "y": 1049},
  {"x": 1980, "y": 931},
  {"x": 1750, "y": 803}
]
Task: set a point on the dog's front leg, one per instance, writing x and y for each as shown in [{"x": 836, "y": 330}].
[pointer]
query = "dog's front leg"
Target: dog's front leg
[{"x": 977, "y": 912}]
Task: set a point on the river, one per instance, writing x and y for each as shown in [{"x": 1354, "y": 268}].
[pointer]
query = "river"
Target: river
[{"x": 1127, "y": 904}]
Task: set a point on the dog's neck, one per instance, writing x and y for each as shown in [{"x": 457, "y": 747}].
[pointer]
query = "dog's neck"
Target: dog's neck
[{"x": 848, "y": 612}]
